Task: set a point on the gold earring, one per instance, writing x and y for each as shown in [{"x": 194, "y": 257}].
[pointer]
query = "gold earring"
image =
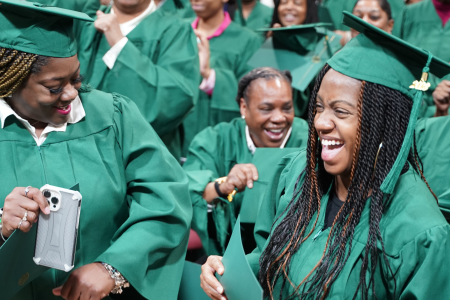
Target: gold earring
[{"x": 376, "y": 159}]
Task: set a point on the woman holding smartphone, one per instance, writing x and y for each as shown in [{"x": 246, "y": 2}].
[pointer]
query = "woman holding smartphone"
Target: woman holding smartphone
[{"x": 136, "y": 211}]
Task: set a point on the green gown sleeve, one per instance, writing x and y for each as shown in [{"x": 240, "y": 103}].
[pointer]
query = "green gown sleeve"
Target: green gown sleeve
[
  {"x": 423, "y": 273},
  {"x": 202, "y": 167},
  {"x": 149, "y": 248},
  {"x": 223, "y": 104},
  {"x": 269, "y": 208},
  {"x": 171, "y": 84}
]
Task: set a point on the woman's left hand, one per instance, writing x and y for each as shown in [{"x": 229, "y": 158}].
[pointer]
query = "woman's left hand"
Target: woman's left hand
[
  {"x": 204, "y": 54},
  {"x": 89, "y": 282}
]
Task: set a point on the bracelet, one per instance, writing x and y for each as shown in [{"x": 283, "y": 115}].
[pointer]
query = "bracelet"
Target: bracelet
[
  {"x": 218, "y": 191},
  {"x": 121, "y": 282},
  {"x": 230, "y": 196}
]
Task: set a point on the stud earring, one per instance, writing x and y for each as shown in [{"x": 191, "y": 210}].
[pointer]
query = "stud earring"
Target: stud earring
[{"x": 243, "y": 117}]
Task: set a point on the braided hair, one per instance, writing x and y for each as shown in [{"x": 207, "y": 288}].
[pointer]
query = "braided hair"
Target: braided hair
[
  {"x": 312, "y": 15},
  {"x": 15, "y": 66},
  {"x": 264, "y": 72},
  {"x": 383, "y": 116}
]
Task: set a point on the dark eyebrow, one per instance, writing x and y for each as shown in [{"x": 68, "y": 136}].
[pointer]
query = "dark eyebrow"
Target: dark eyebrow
[
  {"x": 61, "y": 78},
  {"x": 342, "y": 101},
  {"x": 320, "y": 98}
]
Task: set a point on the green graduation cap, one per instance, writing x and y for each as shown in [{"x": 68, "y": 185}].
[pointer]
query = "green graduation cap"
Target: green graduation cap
[
  {"x": 37, "y": 28},
  {"x": 301, "y": 49},
  {"x": 379, "y": 57}
]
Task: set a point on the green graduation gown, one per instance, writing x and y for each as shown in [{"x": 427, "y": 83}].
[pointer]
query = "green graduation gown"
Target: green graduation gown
[
  {"x": 433, "y": 142},
  {"x": 212, "y": 155},
  {"x": 415, "y": 234},
  {"x": 336, "y": 7},
  {"x": 151, "y": 70},
  {"x": 185, "y": 12},
  {"x": 420, "y": 25},
  {"x": 260, "y": 17},
  {"x": 230, "y": 52},
  {"x": 135, "y": 212}
]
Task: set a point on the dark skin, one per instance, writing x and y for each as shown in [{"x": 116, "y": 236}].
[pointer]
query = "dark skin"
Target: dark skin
[
  {"x": 371, "y": 12},
  {"x": 269, "y": 106},
  {"x": 336, "y": 118},
  {"x": 292, "y": 12},
  {"x": 54, "y": 86}
]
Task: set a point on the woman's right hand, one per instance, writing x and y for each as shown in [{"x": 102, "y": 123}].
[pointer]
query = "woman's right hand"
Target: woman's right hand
[
  {"x": 240, "y": 176},
  {"x": 17, "y": 204},
  {"x": 208, "y": 281}
]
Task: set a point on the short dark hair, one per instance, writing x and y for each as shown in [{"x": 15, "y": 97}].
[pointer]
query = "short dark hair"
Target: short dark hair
[{"x": 263, "y": 72}]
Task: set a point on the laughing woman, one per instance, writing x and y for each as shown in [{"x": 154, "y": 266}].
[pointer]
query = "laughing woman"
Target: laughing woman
[
  {"x": 265, "y": 100},
  {"x": 353, "y": 216},
  {"x": 56, "y": 131}
]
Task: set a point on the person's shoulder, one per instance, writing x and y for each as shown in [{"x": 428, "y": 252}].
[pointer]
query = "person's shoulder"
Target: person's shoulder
[
  {"x": 416, "y": 12},
  {"x": 433, "y": 132},
  {"x": 241, "y": 32},
  {"x": 224, "y": 131},
  {"x": 300, "y": 123},
  {"x": 264, "y": 9},
  {"x": 410, "y": 211}
]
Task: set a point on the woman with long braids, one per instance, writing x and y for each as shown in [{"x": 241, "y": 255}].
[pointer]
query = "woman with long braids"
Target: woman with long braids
[
  {"x": 227, "y": 149},
  {"x": 353, "y": 217},
  {"x": 135, "y": 213}
]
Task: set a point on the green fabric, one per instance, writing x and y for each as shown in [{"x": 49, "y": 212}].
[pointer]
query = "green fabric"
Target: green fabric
[
  {"x": 415, "y": 234},
  {"x": 230, "y": 52},
  {"x": 151, "y": 70},
  {"x": 190, "y": 283},
  {"x": 420, "y": 25},
  {"x": 185, "y": 12},
  {"x": 303, "y": 50},
  {"x": 398, "y": 65},
  {"x": 336, "y": 7},
  {"x": 239, "y": 282},
  {"x": 136, "y": 211},
  {"x": 38, "y": 29},
  {"x": 264, "y": 159},
  {"x": 212, "y": 155},
  {"x": 432, "y": 140},
  {"x": 261, "y": 16},
  {"x": 77, "y": 5}
]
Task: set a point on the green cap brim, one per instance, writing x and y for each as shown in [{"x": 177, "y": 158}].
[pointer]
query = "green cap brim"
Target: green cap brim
[{"x": 48, "y": 9}]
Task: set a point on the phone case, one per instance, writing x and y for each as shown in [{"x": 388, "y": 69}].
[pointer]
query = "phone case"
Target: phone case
[{"x": 56, "y": 236}]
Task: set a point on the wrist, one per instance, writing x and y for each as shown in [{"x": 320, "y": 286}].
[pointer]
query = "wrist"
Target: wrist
[
  {"x": 119, "y": 281},
  {"x": 441, "y": 113},
  {"x": 206, "y": 73}
]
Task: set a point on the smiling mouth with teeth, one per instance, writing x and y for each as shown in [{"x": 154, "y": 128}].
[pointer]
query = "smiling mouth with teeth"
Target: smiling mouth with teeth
[{"x": 332, "y": 143}]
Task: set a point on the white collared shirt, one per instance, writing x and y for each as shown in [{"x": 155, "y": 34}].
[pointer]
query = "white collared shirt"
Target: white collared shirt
[
  {"x": 76, "y": 114},
  {"x": 111, "y": 56},
  {"x": 251, "y": 146}
]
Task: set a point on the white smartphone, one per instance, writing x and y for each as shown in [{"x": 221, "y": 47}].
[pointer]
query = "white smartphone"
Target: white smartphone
[{"x": 56, "y": 237}]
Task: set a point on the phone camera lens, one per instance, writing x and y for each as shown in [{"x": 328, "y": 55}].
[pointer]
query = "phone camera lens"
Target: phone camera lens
[
  {"x": 47, "y": 194},
  {"x": 55, "y": 200}
]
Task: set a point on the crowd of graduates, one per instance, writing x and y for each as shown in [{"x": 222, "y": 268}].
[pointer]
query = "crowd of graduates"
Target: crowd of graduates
[{"x": 323, "y": 124}]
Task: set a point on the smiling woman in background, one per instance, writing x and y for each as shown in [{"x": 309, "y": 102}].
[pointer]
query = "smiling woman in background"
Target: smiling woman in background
[
  {"x": 294, "y": 12},
  {"x": 265, "y": 100}
]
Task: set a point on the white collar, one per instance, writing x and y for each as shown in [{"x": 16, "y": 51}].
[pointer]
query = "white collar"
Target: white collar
[
  {"x": 76, "y": 114},
  {"x": 127, "y": 27},
  {"x": 251, "y": 146}
]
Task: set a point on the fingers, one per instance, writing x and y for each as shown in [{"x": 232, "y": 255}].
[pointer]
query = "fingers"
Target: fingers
[
  {"x": 208, "y": 281},
  {"x": 276, "y": 25},
  {"x": 57, "y": 291},
  {"x": 99, "y": 13},
  {"x": 66, "y": 288},
  {"x": 251, "y": 173},
  {"x": 243, "y": 175},
  {"x": 37, "y": 196}
]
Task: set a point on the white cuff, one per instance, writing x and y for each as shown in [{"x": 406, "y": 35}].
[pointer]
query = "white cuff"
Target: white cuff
[{"x": 111, "y": 56}]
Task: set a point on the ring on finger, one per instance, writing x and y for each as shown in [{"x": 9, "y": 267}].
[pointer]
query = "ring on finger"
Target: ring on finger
[
  {"x": 20, "y": 224},
  {"x": 27, "y": 190},
  {"x": 25, "y": 216}
]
